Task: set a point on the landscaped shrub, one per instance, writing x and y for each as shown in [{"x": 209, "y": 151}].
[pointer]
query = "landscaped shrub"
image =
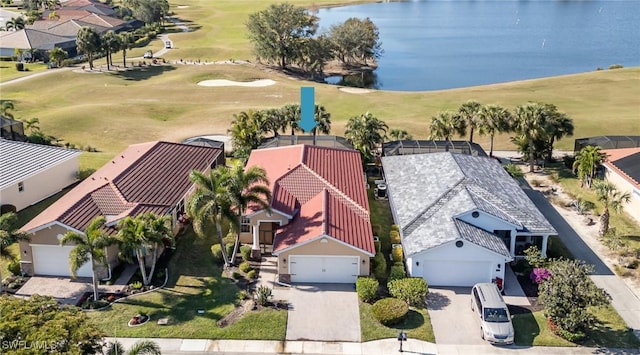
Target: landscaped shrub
[
  {"x": 243, "y": 295},
  {"x": 14, "y": 267},
  {"x": 262, "y": 295},
  {"x": 397, "y": 271},
  {"x": 245, "y": 251},
  {"x": 396, "y": 254},
  {"x": 236, "y": 275},
  {"x": 380, "y": 266},
  {"x": 394, "y": 236},
  {"x": 245, "y": 267},
  {"x": 390, "y": 311},
  {"x": 394, "y": 227},
  {"x": 136, "y": 285},
  {"x": 20, "y": 66},
  {"x": 229, "y": 247},
  {"x": 252, "y": 274},
  {"x": 216, "y": 251},
  {"x": 376, "y": 244},
  {"x": 367, "y": 288},
  {"x": 513, "y": 170},
  {"x": 412, "y": 290}
]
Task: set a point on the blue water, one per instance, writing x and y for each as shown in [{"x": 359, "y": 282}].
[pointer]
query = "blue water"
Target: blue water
[{"x": 444, "y": 44}]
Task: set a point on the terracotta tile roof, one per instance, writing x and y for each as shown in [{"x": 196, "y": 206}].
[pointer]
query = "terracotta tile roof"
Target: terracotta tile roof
[
  {"x": 625, "y": 162},
  {"x": 150, "y": 176},
  {"x": 327, "y": 214},
  {"x": 299, "y": 174}
]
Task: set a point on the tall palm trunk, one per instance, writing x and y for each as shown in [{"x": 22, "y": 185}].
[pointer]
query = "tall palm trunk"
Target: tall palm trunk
[
  {"x": 223, "y": 248},
  {"x": 550, "y": 152},
  {"x": 491, "y": 147},
  {"x": 531, "y": 158},
  {"x": 237, "y": 242},
  {"x": 95, "y": 281},
  {"x": 604, "y": 222},
  {"x": 471, "y": 135},
  {"x": 124, "y": 57},
  {"x": 153, "y": 263},
  {"x": 143, "y": 268}
]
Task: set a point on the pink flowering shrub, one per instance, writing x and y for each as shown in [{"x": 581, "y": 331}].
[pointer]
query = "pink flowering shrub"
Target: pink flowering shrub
[{"x": 538, "y": 275}]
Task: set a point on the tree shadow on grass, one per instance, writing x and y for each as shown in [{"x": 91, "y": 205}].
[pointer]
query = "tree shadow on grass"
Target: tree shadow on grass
[
  {"x": 525, "y": 325},
  {"x": 139, "y": 73},
  {"x": 413, "y": 320},
  {"x": 600, "y": 335}
]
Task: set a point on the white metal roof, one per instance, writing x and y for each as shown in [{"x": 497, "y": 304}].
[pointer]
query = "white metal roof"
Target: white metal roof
[{"x": 20, "y": 160}]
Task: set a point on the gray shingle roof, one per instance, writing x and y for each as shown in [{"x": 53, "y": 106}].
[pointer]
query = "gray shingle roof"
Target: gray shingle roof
[
  {"x": 428, "y": 190},
  {"x": 19, "y": 160},
  {"x": 481, "y": 237}
]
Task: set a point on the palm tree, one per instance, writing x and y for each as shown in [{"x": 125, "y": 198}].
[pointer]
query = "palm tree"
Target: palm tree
[
  {"x": 58, "y": 55},
  {"x": 126, "y": 40},
  {"x": 291, "y": 114},
  {"x": 366, "y": 132},
  {"x": 32, "y": 124},
  {"x": 468, "y": 112},
  {"x": 5, "y": 107},
  {"x": 110, "y": 43},
  {"x": 246, "y": 188},
  {"x": 88, "y": 42},
  {"x": 445, "y": 125},
  {"x": 493, "y": 119},
  {"x": 9, "y": 234},
  {"x": 90, "y": 246},
  {"x": 586, "y": 164},
  {"x": 141, "y": 347},
  {"x": 140, "y": 236},
  {"x": 559, "y": 125},
  {"x": 399, "y": 134},
  {"x": 323, "y": 121},
  {"x": 210, "y": 203},
  {"x": 246, "y": 131},
  {"x": 530, "y": 121},
  {"x": 274, "y": 121},
  {"x": 611, "y": 198},
  {"x": 15, "y": 24}
]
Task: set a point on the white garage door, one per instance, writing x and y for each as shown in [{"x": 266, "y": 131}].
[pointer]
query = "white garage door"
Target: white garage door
[
  {"x": 456, "y": 273},
  {"x": 54, "y": 260},
  {"x": 324, "y": 269}
]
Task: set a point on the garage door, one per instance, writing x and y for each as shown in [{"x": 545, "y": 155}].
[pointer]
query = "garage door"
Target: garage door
[
  {"x": 456, "y": 273},
  {"x": 54, "y": 260},
  {"x": 324, "y": 269}
]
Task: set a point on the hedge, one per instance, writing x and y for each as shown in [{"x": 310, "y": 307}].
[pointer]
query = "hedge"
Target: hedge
[
  {"x": 216, "y": 251},
  {"x": 397, "y": 271},
  {"x": 245, "y": 267},
  {"x": 412, "y": 290},
  {"x": 396, "y": 254},
  {"x": 390, "y": 311},
  {"x": 245, "y": 251},
  {"x": 395, "y": 237},
  {"x": 380, "y": 266},
  {"x": 367, "y": 288}
]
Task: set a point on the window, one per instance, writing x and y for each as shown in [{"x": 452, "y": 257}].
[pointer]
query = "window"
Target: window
[
  {"x": 20, "y": 186},
  {"x": 245, "y": 225}
]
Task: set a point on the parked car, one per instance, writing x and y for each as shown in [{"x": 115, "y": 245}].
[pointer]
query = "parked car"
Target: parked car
[
  {"x": 148, "y": 55},
  {"x": 495, "y": 321}
]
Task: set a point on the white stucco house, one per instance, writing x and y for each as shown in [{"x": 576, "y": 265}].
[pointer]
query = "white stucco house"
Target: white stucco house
[
  {"x": 622, "y": 168},
  {"x": 29, "y": 173},
  {"x": 461, "y": 217}
]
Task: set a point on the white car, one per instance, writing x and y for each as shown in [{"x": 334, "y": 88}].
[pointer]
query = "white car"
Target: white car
[
  {"x": 148, "y": 55},
  {"x": 495, "y": 321}
]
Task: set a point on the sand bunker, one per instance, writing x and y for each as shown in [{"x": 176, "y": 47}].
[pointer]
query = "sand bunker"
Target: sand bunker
[
  {"x": 222, "y": 82},
  {"x": 355, "y": 90}
]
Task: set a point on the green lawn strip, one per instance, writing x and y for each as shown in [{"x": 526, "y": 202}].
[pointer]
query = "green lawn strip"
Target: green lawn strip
[
  {"x": 8, "y": 70},
  {"x": 611, "y": 332},
  {"x": 417, "y": 325},
  {"x": 381, "y": 218},
  {"x": 195, "y": 283}
]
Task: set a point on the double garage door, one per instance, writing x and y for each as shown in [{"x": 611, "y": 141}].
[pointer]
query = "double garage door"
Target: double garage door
[
  {"x": 324, "y": 269},
  {"x": 456, "y": 273},
  {"x": 54, "y": 260}
]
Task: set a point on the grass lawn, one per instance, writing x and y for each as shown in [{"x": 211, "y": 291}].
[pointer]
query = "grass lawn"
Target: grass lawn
[
  {"x": 417, "y": 325},
  {"x": 8, "y": 70},
  {"x": 195, "y": 282},
  {"x": 612, "y": 332}
]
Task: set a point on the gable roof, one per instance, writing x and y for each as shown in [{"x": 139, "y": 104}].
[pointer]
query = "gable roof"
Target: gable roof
[
  {"x": 88, "y": 5},
  {"x": 625, "y": 162},
  {"x": 30, "y": 38},
  {"x": 327, "y": 183},
  {"x": 427, "y": 191},
  {"x": 150, "y": 176},
  {"x": 20, "y": 160}
]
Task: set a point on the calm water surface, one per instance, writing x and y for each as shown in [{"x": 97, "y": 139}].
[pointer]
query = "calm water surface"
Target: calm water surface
[{"x": 443, "y": 44}]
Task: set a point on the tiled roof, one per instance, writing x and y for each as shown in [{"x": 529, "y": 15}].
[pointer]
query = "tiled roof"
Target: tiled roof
[
  {"x": 326, "y": 214},
  {"x": 626, "y": 163},
  {"x": 428, "y": 190},
  {"x": 150, "y": 176},
  {"x": 19, "y": 160},
  {"x": 300, "y": 173}
]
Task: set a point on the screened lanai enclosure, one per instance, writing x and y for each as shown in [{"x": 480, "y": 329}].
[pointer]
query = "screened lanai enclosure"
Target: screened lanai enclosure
[
  {"x": 12, "y": 129},
  {"x": 407, "y": 147},
  {"x": 608, "y": 142}
]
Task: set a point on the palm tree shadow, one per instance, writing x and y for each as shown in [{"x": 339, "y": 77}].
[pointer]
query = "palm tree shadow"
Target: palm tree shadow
[{"x": 141, "y": 72}]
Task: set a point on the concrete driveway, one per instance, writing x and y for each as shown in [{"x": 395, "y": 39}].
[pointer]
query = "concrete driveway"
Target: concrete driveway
[
  {"x": 324, "y": 312},
  {"x": 452, "y": 320}
]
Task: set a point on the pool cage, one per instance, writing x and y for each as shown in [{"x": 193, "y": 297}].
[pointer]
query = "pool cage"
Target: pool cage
[
  {"x": 320, "y": 140},
  {"x": 608, "y": 142},
  {"x": 407, "y": 147},
  {"x": 12, "y": 129}
]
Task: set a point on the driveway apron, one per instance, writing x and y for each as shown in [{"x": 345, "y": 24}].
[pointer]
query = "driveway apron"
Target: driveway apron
[
  {"x": 324, "y": 312},
  {"x": 452, "y": 320}
]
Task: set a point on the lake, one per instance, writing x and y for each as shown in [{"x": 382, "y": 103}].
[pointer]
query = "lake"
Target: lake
[{"x": 444, "y": 44}]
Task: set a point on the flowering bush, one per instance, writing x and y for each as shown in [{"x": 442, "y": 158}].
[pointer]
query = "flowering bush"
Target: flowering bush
[{"x": 538, "y": 275}]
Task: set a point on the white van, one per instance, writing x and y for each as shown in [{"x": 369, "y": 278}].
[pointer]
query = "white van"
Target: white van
[{"x": 490, "y": 309}]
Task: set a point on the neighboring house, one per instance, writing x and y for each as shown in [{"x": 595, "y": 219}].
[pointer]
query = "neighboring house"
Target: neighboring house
[
  {"x": 147, "y": 177},
  {"x": 95, "y": 7},
  {"x": 461, "y": 217},
  {"x": 406, "y": 147},
  {"x": 319, "y": 225},
  {"x": 30, "y": 39},
  {"x": 97, "y": 21},
  {"x": 29, "y": 173},
  {"x": 623, "y": 170}
]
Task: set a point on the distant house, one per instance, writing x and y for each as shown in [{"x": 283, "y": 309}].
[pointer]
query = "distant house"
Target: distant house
[
  {"x": 147, "y": 177},
  {"x": 28, "y": 39},
  {"x": 461, "y": 217},
  {"x": 319, "y": 223},
  {"x": 29, "y": 173},
  {"x": 623, "y": 170},
  {"x": 6, "y": 15}
]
